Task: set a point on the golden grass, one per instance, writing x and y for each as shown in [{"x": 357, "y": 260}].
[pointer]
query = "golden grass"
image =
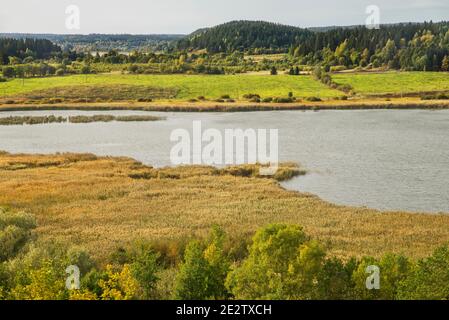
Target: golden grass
[{"x": 102, "y": 202}]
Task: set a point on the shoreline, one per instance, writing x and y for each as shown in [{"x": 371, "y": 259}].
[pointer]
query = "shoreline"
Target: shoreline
[
  {"x": 178, "y": 106},
  {"x": 130, "y": 188}
]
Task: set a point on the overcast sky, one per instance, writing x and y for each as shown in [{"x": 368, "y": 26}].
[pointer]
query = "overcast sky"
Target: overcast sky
[{"x": 185, "y": 16}]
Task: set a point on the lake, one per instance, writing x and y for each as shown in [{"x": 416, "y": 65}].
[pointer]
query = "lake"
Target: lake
[{"x": 384, "y": 159}]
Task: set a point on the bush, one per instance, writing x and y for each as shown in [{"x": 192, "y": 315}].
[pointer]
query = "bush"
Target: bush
[
  {"x": 429, "y": 280},
  {"x": 440, "y": 96},
  {"x": 255, "y": 99},
  {"x": 9, "y": 72},
  {"x": 282, "y": 264},
  {"x": 203, "y": 273},
  {"x": 313, "y": 99},
  {"x": 283, "y": 100},
  {"x": 250, "y": 96},
  {"x": 144, "y": 268},
  {"x": 394, "y": 269},
  {"x": 60, "y": 72},
  {"x": 144, "y": 100}
]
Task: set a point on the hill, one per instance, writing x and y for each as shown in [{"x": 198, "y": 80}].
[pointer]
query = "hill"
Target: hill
[{"x": 243, "y": 35}]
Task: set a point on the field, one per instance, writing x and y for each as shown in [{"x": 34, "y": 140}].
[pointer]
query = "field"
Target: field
[
  {"x": 179, "y": 87},
  {"x": 100, "y": 203},
  {"x": 395, "y": 83}
]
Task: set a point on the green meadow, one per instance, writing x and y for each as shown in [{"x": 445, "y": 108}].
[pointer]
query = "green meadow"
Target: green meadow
[
  {"x": 185, "y": 86},
  {"x": 395, "y": 82}
]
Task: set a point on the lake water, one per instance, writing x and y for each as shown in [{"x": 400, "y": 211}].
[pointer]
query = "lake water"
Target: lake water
[{"x": 384, "y": 159}]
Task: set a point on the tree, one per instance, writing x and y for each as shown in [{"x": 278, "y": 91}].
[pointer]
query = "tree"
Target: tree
[
  {"x": 144, "y": 269},
  {"x": 393, "y": 270},
  {"x": 85, "y": 69},
  {"x": 297, "y": 52},
  {"x": 44, "y": 283},
  {"x": 445, "y": 64},
  {"x": 119, "y": 285},
  {"x": 191, "y": 280},
  {"x": 335, "y": 282},
  {"x": 9, "y": 72},
  {"x": 264, "y": 274},
  {"x": 429, "y": 279},
  {"x": 297, "y": 72},
  {"x": 204, "y": 271},
  {"x": 218, "y": 265},
  {"x": 303, "y": 274},
  {"x": 389, "y": 51}
]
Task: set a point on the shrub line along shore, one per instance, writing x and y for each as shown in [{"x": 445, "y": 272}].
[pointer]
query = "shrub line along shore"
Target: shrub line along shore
[{"x": 399, "y": 104}]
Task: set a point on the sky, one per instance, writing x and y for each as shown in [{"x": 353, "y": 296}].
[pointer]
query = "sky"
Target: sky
[{"x": 185, "y": 16}]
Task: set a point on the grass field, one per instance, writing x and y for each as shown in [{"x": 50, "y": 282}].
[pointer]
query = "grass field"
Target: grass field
[
  {"x": 101, "y": 203},
  {"x": 396, "y": 83},
  {"x": 185, "y": 86}
]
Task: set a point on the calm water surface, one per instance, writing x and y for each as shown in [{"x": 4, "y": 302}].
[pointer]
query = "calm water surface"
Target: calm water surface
[{"x": 383, "y": 159}]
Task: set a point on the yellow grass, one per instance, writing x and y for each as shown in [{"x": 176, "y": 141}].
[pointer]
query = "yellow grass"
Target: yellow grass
[{"x": 100, "y": 203}]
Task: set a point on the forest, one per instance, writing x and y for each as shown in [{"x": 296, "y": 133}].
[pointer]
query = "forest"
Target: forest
[{"x": 238, "y": 47}]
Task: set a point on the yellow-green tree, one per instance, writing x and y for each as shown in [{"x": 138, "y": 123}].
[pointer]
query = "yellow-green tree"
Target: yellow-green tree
[
  {"x": 282, "y": 264},
  {"x": 119, "y": 285}
]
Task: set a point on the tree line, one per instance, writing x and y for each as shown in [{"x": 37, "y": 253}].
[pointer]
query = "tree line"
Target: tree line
[
  {"x": 406, "y": 46},
  {"x": 22, "y": 48},
  {"x": 231, "y": 47},
  {"x": 280, "y": 262}
]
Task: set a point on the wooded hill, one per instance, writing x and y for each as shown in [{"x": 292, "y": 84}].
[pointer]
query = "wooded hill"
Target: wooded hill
[
  {"x": 409, "y": 46},
  {"x": 243, "y": 35}
]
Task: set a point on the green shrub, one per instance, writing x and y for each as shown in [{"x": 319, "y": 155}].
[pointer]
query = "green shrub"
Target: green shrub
[
  {"x": 250, "y": 96},
  {"x": 313, "y": 99},
  {"x": 429, "y": 279},
  {"x": 268, "y": 99},
  {"x": 282, "y": 264},
  {"x": 283, "y": 100},
  {"x": 204, "y": 270}
]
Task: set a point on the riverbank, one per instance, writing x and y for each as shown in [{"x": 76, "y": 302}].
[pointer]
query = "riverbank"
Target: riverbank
[
  {"x": 238, "y": 106},
  {"x": 103, "y": 202}
]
